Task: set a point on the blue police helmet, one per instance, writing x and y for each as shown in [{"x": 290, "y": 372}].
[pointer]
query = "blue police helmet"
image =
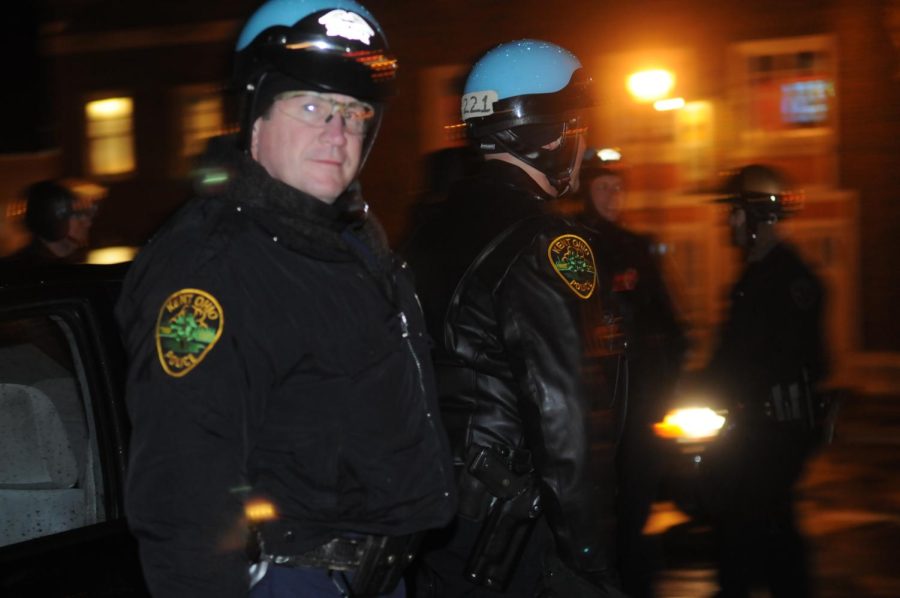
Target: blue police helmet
[
  {"x": 288, "y": 12},
  {"x": 322, "y": 45},
  {"x": 523, "y": 82},
  {"x": 525, "y": 98},
  {"x": 331, "y": 46}
]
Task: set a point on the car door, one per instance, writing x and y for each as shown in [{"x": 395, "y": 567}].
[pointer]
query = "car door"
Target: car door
[{"x": 63, "y": 440}]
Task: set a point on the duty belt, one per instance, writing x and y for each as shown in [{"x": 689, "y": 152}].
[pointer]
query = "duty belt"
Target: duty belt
[
  {"x": 348, "y": 553},
  {"x": 377, "y": 562},
  {"x": 791, "y": 402}
]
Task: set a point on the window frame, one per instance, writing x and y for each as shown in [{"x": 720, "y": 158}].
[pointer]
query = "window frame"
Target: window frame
[
  {"x": 182, "y": 96},
  {"x": 790, "y": 141},
  {"x": 85, "y": 334}
]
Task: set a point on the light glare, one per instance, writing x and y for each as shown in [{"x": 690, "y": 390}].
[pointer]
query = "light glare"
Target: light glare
[
  {"x": 109, "y": 108},
  {"x": 668, "y": 104},
  {"x": 111, "y": 255},
  {"x": 691, "y": 423},
  {"x": 650, "y": 85}
]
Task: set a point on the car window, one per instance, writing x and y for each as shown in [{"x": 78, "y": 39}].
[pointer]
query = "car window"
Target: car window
[{"x": 50, "y": 477}]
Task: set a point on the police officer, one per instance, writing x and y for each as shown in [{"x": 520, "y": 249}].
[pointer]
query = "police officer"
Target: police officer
[
  {"x": 59, "y": 222},
  {"x": 279, "y": 383},
  {"x": 768, "y": 362},
  {"x": 512, "y": 296},
  {"x": 655, "y": 356}
]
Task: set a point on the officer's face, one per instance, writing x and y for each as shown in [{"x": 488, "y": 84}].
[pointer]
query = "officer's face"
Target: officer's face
[
  {"x": 79, "y": 226},
  {"x": 606, "y": 195},
  {"x": 79, "y": 230},
  {"x": 319, "y": 160},
  {"x": 737, "y": 220}
]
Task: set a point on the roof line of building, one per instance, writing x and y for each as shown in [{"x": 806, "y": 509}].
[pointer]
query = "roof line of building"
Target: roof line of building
[{"x": 151, "y": 37}]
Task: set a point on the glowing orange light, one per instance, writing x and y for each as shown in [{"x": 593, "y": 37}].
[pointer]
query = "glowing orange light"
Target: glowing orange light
[
  {"x": 260, "y": 510},
  {"x": 650, "y": 85}
]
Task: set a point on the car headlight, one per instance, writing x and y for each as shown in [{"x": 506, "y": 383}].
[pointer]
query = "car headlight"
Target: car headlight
[{"x": 689, "y": 424}]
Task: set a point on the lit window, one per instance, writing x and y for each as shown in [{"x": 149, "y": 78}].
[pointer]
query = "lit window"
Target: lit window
[
  {"x": 202, "y": 118},
  {"x": 110, "y": 136},
  {"x": 789, "y": 85}
]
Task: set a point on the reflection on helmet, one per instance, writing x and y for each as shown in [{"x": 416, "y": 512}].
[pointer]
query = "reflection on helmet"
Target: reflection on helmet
[
  {"x": 525, "y": 95},
  {"x": 596, "y": 163},
  {"x": 330, "y": 46}
]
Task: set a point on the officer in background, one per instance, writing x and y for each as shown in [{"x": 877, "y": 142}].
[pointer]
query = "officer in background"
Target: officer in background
[
  {"x": 279, "y": 384},
  {"x": 513, "y": 296},
  {"x": 59, "y": 222},
  {"x": 768, "y": 363},
  {"x": 655, "y": 356}
]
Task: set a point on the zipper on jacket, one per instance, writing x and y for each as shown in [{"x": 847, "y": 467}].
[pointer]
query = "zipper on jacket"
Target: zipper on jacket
[{"x": 420, "y": 376}]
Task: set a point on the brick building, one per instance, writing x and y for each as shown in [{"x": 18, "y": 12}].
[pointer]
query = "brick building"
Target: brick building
[{"x": 809, "y": 85}]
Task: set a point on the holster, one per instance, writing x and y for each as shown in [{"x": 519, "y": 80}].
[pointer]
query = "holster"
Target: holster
[
  {"x": 382, "y": 564},
  {"x": 510, "y": 502}
]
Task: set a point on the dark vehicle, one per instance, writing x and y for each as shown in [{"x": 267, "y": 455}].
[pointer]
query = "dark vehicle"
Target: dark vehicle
[
  {"x": 698, "y": 424},
  {"x": 691, "y": 430},
  {"x": 63, "y": 436}
]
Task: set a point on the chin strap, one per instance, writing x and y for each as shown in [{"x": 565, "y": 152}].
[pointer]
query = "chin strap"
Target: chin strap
[{"x": 557, "y": 164}]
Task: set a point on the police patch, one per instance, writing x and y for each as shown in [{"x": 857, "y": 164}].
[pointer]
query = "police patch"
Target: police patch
[
  {"x": 190, "y": 322},
  {"x": 572, "y": 258}
]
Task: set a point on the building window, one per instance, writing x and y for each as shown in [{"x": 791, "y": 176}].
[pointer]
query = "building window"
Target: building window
[
  {"x": 110, "y": 136},
  {"x": 788, "y": 86},
  {"x": 202, "y": 117}
]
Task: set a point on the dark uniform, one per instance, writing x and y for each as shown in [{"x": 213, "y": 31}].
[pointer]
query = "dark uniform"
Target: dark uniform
[
  {"x": 277, "y": 360},
  {"x": 50, "y": 208},
  {"x": 524, "y": 345},
  {"x": 656, "y": 350},
  {"x": 769, "y": 359},
  {"x": 37, "y": 253}
]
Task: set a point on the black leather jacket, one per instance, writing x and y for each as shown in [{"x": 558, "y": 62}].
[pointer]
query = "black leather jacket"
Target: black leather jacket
[
  {"x": 522, "y": 359},
  {"x": 317, "y": 396}
]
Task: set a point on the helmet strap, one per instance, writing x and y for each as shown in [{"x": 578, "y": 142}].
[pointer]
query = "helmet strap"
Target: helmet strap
[
  {"x": 248, "y": 112},
  {"x": 557, "y": 164}
]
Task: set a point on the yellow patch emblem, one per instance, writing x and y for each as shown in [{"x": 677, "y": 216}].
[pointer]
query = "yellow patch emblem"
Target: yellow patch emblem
[
  {"x": 189, "y": 324},
  {"x": 573, "y": 260}
]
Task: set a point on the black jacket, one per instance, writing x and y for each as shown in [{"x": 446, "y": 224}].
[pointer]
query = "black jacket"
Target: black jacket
[
  {"x": 657, "y": 342},
  {"x": 773, "y": 332},
  {"x": 305, "y": 384},
  {"x": 520, "y": 355}
]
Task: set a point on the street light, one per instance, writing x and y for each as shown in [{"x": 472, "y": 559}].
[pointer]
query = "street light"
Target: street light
[
  {"x": 668, "y": 104},
  {"x": 650, "y": 85}
]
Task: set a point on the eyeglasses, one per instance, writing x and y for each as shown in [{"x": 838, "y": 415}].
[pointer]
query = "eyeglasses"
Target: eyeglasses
[
  {"x": 317, "y": 110},
  {"x": 84, "y": 210}
]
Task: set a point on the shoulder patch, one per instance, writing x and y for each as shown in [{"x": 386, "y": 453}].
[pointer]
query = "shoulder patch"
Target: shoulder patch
[
  {"x": 189, "y": 325},
  {"x": 573, "y": 260}
]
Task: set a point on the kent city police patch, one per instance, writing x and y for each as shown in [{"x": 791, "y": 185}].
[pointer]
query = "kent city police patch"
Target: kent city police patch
[
  {"x": 572, "y": 258},
  {"x": 190, "y": 322}
]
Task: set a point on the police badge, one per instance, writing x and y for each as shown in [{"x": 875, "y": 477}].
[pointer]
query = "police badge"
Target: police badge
[
  {"x": 573, "y": 260},
  {"x": 189, "y": 324}
]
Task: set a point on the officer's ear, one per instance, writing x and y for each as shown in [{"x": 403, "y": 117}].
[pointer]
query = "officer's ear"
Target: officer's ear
[{"x": 254, "y": 138}]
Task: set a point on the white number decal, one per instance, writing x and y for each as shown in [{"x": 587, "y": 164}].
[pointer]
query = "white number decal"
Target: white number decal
[{"x": 478, "y": 103}]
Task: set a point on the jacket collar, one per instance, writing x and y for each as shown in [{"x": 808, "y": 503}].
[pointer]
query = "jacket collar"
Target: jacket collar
[{"x": 503, "y": 173}]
